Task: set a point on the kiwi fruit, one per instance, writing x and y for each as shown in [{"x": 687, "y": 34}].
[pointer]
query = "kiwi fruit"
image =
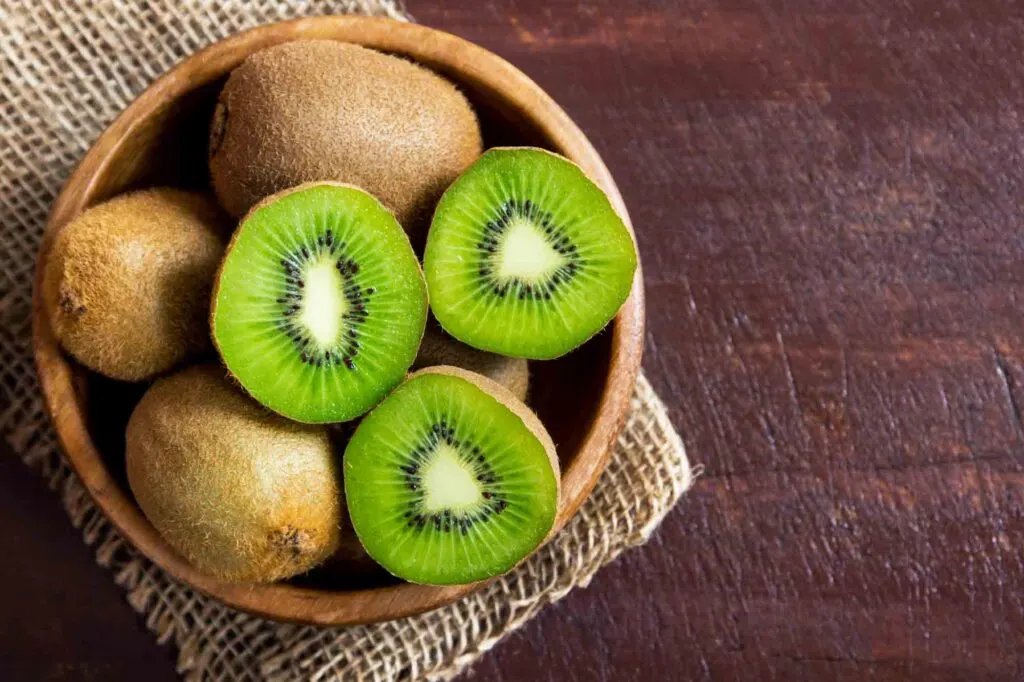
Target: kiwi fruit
[
  {"x": 127, "y": 282},
  {"x": 451, "y": 479},
  {"x": 438, "y": 348},
  {"x": 240, "y": 492},
  {"x": 320, "y": 303},
  {"x": 325, "y": 110},
  {"x": 526, "y": 256}
]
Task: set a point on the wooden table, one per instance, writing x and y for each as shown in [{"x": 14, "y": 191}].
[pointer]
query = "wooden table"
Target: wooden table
[{"x": 827, "y": 197}]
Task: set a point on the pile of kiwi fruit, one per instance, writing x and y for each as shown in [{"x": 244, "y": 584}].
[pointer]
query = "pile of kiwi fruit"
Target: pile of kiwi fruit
[{"x": 362, "y": 260}]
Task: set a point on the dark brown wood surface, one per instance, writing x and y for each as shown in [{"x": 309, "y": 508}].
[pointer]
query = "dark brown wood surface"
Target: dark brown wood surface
[{"x": 827, "y": 198}]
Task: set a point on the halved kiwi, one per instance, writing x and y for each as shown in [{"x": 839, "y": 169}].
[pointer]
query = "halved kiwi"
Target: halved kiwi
[
  {"x": 320, "y": 303},
  {"x": 451, "y": 479},
  {"x": 526, "y": 256}
]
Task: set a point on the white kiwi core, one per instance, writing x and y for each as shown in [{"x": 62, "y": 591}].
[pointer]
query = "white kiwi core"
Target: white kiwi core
[
  {"x": 323, "y": 302},
  {"x": 525, "y": 253},
  {"x": 448, "y": 483}
]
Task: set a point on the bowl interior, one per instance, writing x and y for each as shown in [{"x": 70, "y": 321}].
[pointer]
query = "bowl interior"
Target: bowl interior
[{"x": 565, "y": 393}]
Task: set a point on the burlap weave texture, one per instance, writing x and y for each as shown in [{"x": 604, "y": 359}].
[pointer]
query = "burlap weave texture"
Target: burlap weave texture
[{"x": 66, "y": 70}]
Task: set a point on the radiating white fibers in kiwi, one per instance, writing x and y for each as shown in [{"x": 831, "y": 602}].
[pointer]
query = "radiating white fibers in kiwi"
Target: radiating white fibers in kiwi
[
  {"x": 320, "y": 303},
  {"x": 451, "y": 479},
  {"x": 526, "y": 256}
]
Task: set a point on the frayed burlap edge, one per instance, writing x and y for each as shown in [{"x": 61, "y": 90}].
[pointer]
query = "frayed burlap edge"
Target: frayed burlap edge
[{"x": 67, "y": 70}]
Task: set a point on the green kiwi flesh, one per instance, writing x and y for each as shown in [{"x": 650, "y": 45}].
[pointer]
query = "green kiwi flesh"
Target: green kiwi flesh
[
  {"x": 526, "y": 256},
  {"x": 320, "y": 304},
  {"x": 240, "y": 492},
  {"x": 451, "y": 479}
]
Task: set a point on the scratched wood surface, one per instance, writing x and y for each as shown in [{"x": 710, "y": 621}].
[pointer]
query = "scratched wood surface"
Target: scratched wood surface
[{"x": 827, "y": 198}]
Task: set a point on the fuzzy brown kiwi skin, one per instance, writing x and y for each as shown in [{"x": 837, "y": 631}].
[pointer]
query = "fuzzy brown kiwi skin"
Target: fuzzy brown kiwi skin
[
  {"x": 282, "y": 122},
  {"x": 438, "y": 348},
  {"x": 259, "y": 205},
  {"x": 243, "y": 494},
  {"x": 509, "y": 400},
  {"x": 126, "y": 283}
]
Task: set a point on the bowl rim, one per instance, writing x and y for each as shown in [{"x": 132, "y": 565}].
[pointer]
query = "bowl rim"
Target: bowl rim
[{"x": 434, "y": 48}]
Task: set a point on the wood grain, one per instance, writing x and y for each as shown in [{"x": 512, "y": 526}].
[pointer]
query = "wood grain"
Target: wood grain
[
  {"x": 826, "y": 198},
  {"x": 62, "y": 617}
]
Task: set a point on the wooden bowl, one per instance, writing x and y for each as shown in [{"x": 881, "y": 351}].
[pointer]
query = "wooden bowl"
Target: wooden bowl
[{"x": 161, "y": 139}]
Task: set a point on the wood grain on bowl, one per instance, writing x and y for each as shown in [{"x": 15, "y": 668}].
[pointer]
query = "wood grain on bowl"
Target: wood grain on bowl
[{"x": 161, "y": 139}]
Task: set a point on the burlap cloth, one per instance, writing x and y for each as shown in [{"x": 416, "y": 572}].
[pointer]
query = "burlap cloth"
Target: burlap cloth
[{"x": 66, "y": 69}]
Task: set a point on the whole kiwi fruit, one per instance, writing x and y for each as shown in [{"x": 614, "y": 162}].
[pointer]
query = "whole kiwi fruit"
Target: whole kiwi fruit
[
  {"x": 240, "y": 492},
  {"x": 325, "y": 110},
  {"x": 438, "y": 349},
  {"x": 127, "y": 283}
]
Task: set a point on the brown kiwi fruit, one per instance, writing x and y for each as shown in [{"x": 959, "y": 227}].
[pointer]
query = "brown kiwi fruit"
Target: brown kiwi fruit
[
  {"x": 438, "y": 348},
  {"x": 127, "y": 283},
  {"x": 242, "y": 493},
  {"x": 325, "y": 110}
]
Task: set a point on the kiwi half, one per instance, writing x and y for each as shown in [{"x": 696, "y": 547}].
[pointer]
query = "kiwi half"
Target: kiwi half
[
  {"x": 526, "y": 256},
  {"x": 127, "y": 283},
  {"x": 320, "y": 303},
  {"x": 451, "y": 479},
  {"x": 438, "y": 349},
  {"x": 242, "y": 493},
  {"x": 325, "y": 110}
]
